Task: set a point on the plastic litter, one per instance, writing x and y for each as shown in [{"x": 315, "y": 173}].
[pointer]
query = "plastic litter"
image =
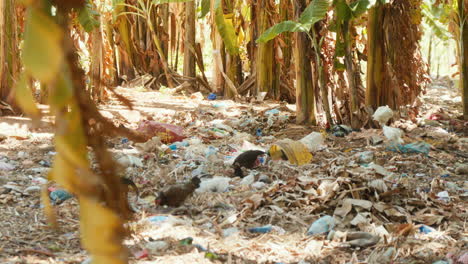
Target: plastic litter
[
  {"x": 322, "y": 225},
  {"x": 426, "y": 229},
  {"x": 178, "y": 145},
  {"x": 212, "y": 96},
  {"x": 382, "y": 115},
  {"x": 197, "y": 95},
  {"x": 32, "y": 189},
  {"x": 167, "y": 133},
  {"x": 141, "y": 254},
  {"x": 261, "y": 229},
  {"x": 216, "y": 184},
  {"x": 258, "y": 185},
  {"x": 59, "y": 196},
  {"x": 152, "y": 145},
  {"x": 44, "y": 163},
  {"x": 157, "y": 218},
  {"x": 341, "y": 130},
  {"x": 258, "y": 132},
  {"x": 441, "y": 262},
  {"x": 124, "y": 140},
  {"x": 416, "y": 147},
  {"x": 295, "y": 151},
  {"x": 444, "y": 196},
  {"x": 230, "y": 231},
  {"x": 313, "y": 141},
  {"x": 6, "y": 166},
  {"x": 394, "y": 135},
  {"x": 266, "y": 229},
  {"x": 157, "y": 246},
  {"x": 362, "y": 239},
  {"x": 272, "y": 112},
  {"x": 366, "y": 157},
  {"x": 129, "y": 160},
  {"x": 220, "y": 105}
]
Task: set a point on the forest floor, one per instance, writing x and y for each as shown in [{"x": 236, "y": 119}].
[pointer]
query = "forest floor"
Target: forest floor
[{"x": 409, "y": 208}]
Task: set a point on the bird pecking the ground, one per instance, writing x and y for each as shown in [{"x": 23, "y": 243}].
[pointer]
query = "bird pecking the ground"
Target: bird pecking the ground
[
  {"x": 249, "y": 160},
  {"x": 175, "y": 195}
]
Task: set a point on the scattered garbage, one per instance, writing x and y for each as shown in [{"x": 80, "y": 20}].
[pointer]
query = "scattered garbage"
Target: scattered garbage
[
  {"x": 394, "y": 135},
  {"x": 267, "y": 229},
  {"x": 322, "y": 225},
  {"x": 59, "y": 196},
  {"x": 443, "y": 196},
  {"x": 441, "y": 262},
  {"x": 142, "y": 254},
  {"x": 272, "y": 112},
  {"x": 157, "y": 246},
  {"x": 45, "y": 163},
  {"x": 212, "y": 96},
  {"x": 382, "y": 115},
  {"x": 6, "y": 166},
  {"x": 314, "y": 141},
  {"x": 426, "y": 229},
  {"x": 197, "y": 95},
  {"x": 230, "y": 231},
  {"x": 178, "y": 145},
  {"x": 361, "y": 239},
  {"x": 167, "y": 133},
  {"x": 151, "y": 145},
  {"x": 293, "y": 151},
  {"x": 129, "y": 160},
  {"x": 32, "y": 189},
  {"x": 216, "y": 184},
  {"x": 158, "y": 218},
  {"x": 366, "y": 157},
  {"x": 124, "y": 140},
  {"x": 262, "y": 229},
  {"x": 416, "y": 147},
  {"x": 341, "y": 130},
  {"x": 375, "y": 140}
]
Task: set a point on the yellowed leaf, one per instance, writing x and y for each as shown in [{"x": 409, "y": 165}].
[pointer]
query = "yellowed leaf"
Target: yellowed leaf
[
  {"x": 48, "y": 209},
  {"x": 25, "y": 99},
  {"x": 42, "y": 52},
  {"x": 99, "y": 226}
]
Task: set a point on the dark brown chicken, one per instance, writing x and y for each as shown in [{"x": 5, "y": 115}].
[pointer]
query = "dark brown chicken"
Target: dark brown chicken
[
  {"x": 248, "y": 160},
  {"x": 175, "y": 195}
]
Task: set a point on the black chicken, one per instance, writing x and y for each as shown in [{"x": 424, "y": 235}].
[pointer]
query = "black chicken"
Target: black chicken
[{"x": 248, "y": 160}]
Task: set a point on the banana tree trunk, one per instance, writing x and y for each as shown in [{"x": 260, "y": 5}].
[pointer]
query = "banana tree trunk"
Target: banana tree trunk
[
  {"x": 9, "y": 52},
  {"x": 125, "y": 50},
  {"x": 305, "y": 100},
  {"x": 265, "y": 61},
  {"x": 189, "y": 45},
  {"x": 463, "y": 11},
  {"x": 96, "y": 67},
  {"x": 375, "y": 61},
  {"x": 351, "y": 74},
  {"x": 218, "y": 55},
  {"x": 321, "y": 76}
]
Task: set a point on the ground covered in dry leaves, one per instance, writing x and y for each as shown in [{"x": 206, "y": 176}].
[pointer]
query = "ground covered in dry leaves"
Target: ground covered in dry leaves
[{"x": 387, "y": 207}]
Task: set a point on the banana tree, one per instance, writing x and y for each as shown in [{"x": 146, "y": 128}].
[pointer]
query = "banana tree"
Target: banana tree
[
  {"x": 305, "y": 99},
  {"x": 344, "y": 15},
  {"x": 9, "y": 51},
  {"x": 144, "y": 10},
  {"x": 463, "y": 53}
]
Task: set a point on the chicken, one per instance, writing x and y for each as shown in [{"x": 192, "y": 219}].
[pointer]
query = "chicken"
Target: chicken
[
  {"x": 248, "y": 160},
  {"x": 175, "y": 195}
]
